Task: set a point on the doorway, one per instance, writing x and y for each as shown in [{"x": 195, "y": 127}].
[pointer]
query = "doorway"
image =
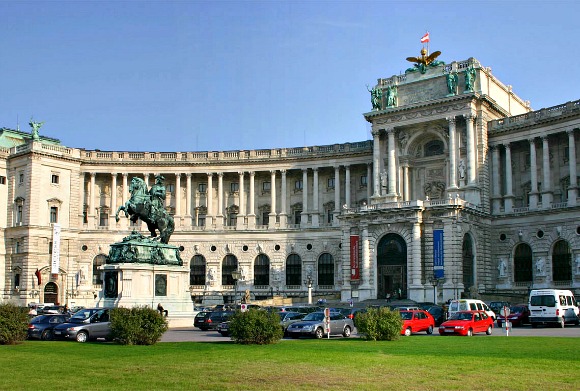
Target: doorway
[
  {"x": 51, "y": 293},
  {"x": 392, "y": 267}
]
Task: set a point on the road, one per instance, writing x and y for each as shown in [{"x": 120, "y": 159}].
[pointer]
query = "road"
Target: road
[{"x": 191, "y": 334}]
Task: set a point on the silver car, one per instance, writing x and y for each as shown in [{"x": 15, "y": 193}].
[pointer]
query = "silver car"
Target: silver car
[
  {"x": 88, "y": 323},
  {"x": 313, "y": 325}
]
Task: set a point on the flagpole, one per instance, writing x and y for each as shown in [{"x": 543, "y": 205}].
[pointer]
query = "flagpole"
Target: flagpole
[{"x": 429, "y": 40}]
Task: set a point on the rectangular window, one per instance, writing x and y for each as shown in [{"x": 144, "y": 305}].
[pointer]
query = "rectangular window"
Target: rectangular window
[
  {"x": 233, "y": 220},
  {"x": 201, "y": 221},
  {"x": 104, "y": 219},
  {"x": 19, "y": 214},
  {"x": 2, "y": 180},
  {"x": 330, "y": 183},
  {"x": 171, "y": 188},
  {"x": 297, "y": 216},
  {"x": 53, "y": 214},
  {"x": 234, "y": 186},
  {"x": 50, "y": 247},
  {"x": 54, "y": 179},
  {"x": 21, "y": 178},
  {"x": 298, "y": 184},
  {"x": 329, "y": 216},
  {"x": 202, "y": 187},
  {"x": 265, "y": 218},
  {"x": 363, "y": 180},
  {"x": 17, "y": 247},
  {"x": 266, "y": 186}
]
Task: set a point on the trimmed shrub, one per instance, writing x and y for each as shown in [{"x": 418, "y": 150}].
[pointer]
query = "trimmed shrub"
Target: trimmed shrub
[
  {"x": 379, "y": 324},
  {"x": 137, "y": 325},
  {"x": 256, "y": 327},
  {"x": 13, "y": 324}
]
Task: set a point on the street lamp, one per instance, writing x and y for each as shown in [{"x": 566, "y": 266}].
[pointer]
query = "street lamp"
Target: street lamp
[
  {"x": 236, "y": 275},
  {"x": 309, "y": 283},
  {"x": 434, "y": 282}
]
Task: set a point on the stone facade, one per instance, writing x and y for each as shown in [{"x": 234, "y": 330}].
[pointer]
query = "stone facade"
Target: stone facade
[{"x": 461, "y": 192}]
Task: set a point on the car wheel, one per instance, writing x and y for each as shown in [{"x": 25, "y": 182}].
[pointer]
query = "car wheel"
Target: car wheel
[
  {"x": 346, "y": 332},
  {"x": 47, "y": 335},
  {"x": 470, "y": 333},
  {"x": 319, "y": 333},
  {"x": 82, "y": 336},
  {"x": 407, "y": 331},
  {"x": 489, "y": 330},
  {"x": 203, "y": 328},
  {"x": 430, "y": 330},
  {"x": 294, "y": 336}
]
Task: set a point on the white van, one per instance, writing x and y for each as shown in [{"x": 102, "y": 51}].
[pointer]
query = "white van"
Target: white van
[
  {"x": 469, "y": 305},
  {"x": 552, "y": 306}
]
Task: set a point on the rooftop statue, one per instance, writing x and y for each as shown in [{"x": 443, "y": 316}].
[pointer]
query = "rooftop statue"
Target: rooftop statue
[
  {"x": 35, "y": 127},
  {"x": 424, "y": 61},
  {"x": 148, "y": 206},
  {"x": 376, "y": 95}
]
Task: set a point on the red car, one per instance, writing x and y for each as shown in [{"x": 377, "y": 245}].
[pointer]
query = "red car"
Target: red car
[
  {"x": 519, "y": 314},
  {"x": 467, "y": 323},
  {"x": 415, "y": 321}
]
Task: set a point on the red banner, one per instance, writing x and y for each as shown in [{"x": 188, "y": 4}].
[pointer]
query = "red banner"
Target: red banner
[{"x": 354, "y": 258}]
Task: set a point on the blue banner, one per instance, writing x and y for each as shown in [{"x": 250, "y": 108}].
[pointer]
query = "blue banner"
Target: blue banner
[{"x": 438, "y": 254}]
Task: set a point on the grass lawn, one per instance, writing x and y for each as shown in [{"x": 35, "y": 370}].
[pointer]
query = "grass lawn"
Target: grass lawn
[{"x": 413, "y": 363}]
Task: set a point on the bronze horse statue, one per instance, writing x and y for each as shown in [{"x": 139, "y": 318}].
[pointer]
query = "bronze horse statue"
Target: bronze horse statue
[{"x": 142, "y": 206}]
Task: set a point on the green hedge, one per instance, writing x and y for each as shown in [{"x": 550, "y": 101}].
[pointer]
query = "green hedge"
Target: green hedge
[
  {"x": 137, "y": 325},
  {"x": 256, "y": 327},
  {"x": 13, "y": 324},
  {"x": 379, "y": 324}
]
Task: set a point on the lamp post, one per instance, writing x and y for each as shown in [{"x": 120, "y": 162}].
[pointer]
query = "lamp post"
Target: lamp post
[
  {"x": 236, "y": 275},
  {"x": 309, "y": 283},
  {"x": 434, "y": 282}
]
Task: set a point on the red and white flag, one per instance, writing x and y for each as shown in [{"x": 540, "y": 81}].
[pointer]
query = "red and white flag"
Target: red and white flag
[{"x": 425, "y": 38}]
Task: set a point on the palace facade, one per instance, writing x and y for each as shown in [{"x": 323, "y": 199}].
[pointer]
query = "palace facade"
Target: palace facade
[{"x": 463, "y": 190}]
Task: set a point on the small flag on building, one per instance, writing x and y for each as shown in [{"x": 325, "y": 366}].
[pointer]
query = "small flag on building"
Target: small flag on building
[{"x": 425, "y": 38}]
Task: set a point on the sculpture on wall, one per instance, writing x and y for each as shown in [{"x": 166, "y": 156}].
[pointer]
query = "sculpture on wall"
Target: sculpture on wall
[
  {"x": 502, "y": 267},
  {"x": 376, "y": 95},
  {"x": 452, "y": 80},
  {"x": 424, "y": 60},
  {"x": 470, "y": 78},
  {"x": 540, "y": 266}
]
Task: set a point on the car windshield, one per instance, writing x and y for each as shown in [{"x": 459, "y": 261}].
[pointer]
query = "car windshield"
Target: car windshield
[
  {"x": 516, "y": 310},
  {"x": 406, "y": 315},
  {"x": 40, "y": 319},
  {"x": 82, "y": 315},
  {"x": 314, "y": 316},
  {"x": 461, "y": 316}
]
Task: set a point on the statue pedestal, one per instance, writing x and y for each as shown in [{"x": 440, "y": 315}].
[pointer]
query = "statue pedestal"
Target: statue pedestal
[{"x": 143, "y": 272}]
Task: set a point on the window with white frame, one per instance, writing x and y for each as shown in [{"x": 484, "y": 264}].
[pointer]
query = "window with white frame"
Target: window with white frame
[
  {"x": 54, "y": 214},
  {"x": 54, "y": 179}
]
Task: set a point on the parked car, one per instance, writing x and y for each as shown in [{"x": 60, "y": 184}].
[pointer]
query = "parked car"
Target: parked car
[
  {"x": 217, "y": 317},
  {"x": 415, "y": 321},
  {"x": 53, "y": 309},
  {"x": 519, "y": 315},
  {"x": 496, "y": 306},
  {"x": 224, "y": 328},
  {"x": 467, "y": 323},
  {"x": 200, "y": 320},
  {"x": 555, "y": 306},
  {"x": 350, "y": 312},
  {"x": 42, "y": 326},
  {"x": 469, "y": 305},
  {"x": 86, "y": 324},
  {"x": 438, "y": 313},
  {"x": 313, "y": 326},
  {"x": 289, "y": 317}
]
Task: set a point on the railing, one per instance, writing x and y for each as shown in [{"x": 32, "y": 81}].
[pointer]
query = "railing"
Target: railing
[{"x": 499, "y": 125}]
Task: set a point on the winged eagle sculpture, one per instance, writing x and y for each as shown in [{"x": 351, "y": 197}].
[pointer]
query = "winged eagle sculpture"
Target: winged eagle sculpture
[{"x": 422, "y": 62}]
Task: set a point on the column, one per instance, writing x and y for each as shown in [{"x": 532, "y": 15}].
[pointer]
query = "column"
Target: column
[
  {"x": 376, "y": 162},
  {"x": 272, "y": 215},
  {"x": 369, "y": 183},
  {"x": 366, "y": 257},
  {"x": 304, "y": 214},
  {"x": 146, "y": 179},
  {"x": 337, "y": 205},
  {"x": 406, "y": 196},
  {"x": 547, "y": 185},
  {"x": 347, "y": 186},
  {"x": 283, "y": 201},
  {"x": 509, "y": 196},
  {"x": 92, "y": 211},
  {"x": 125, "y": 188},
  {"x": 240, "y": 221},
  {"x": 315, "y": 208},
  {"x": 209, "y": 200},
  {"x": 188, "y": 194},
  {"x": 496, "y": 191},
  {"x": 415, "y": 270},
  {"x": 113, "y": 196},
  {"x": 573, "y": 189},
  {"x": 251, "y": 215},
  {"x": 392, "y": 165},
  {"x": 533, "y": 176},
  {"x": 470, "y": 140},
  {"x": 177, "y": 195},
  {"x": 220, "y": 212},
  {"x": 452, "y": 154}
]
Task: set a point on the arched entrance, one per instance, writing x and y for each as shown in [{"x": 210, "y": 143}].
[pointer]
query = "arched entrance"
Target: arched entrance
[
  {"x": 51, "y": 293},
  {"x": 391, "y": 267}
]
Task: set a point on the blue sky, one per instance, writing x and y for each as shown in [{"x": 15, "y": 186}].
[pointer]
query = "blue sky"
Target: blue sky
[{"x": 228, "y": 75}]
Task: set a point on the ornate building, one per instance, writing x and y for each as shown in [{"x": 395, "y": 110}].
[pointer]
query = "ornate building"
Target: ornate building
[{"x": 463, "y": 191}]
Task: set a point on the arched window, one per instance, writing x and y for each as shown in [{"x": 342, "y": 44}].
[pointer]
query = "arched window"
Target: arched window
[
  {"x": 262, "y": 270},
  {"x": 325, "y": 269},
  {"x": 98, "y": 261},
  {"x": 197, "y": 270},
  {"x": 561, "y": 262},
  {"x": 433, "y": 148},
  {"x": 293, "y": 270},
  {"x": 523, "y": 263},
  {"x": 229, "y": 264}
]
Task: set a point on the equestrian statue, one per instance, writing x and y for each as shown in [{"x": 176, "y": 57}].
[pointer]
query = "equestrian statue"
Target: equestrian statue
[{"x": 149, "y": 207}]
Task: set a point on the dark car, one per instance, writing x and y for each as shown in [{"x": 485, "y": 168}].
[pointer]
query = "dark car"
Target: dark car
[
  {"x": 224, "y": 328},
  {"x": 496, "y": 306},
  {"x": 200, "y": 320},
  {"x": 86, "y": 324},
  {"x": 438, "y": 313},
  {"x": 217, "y": 317},
  {"x": 519, "y": 315},
  {"x": 42, "y": 326}
]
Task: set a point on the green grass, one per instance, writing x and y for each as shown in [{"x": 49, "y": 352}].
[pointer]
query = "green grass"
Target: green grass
[{"x": 414, "y": 363}]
